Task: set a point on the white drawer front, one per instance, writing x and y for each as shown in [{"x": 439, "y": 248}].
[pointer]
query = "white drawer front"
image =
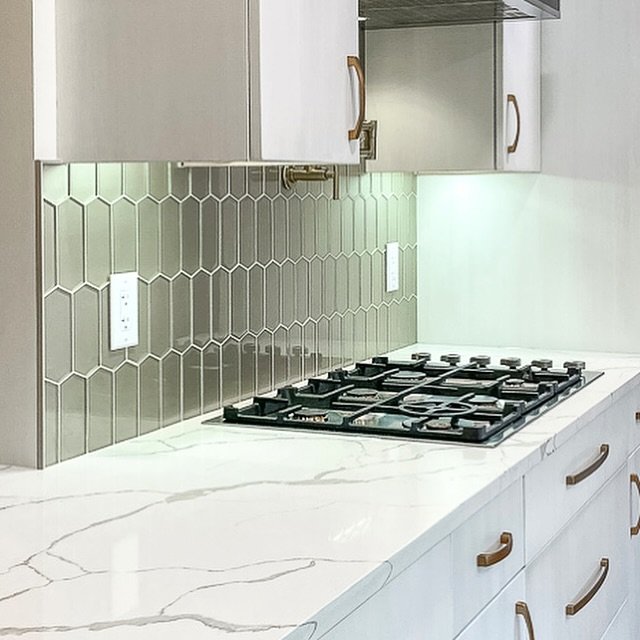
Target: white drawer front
[
  {"x": 474, "y": 585},
  {"x": 416, "y": 605},
  {"x": 550, "y": 501},
  {"x": 620, "y": 628},
  {"x": 499, "y": 620},
  {"x": 571, "y": 566}
]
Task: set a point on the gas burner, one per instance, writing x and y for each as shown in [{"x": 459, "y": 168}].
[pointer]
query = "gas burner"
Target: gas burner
[
  {"x": 361, "y": 393},
  {"x": 407, "y": 376},
  {"x": 433, "y": 407},
  {"x": 306, "y": 414},
  {"x": 514, "y": 383},
  {"x": 416, "y": 398},
  {"x": 420, "y": 424},
  {"x": 483, "y": 401}
]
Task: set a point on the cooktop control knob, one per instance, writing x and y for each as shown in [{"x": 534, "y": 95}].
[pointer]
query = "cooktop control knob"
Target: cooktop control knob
[
  {"x": 451, "y": 358},
  {"x": 545, "y": 365},
  {"x": 421, "y": 356},
  {"x": 481, "y": 361},
  {"x": 512, "y": 363},
  {"x": 575, "y": 364}
]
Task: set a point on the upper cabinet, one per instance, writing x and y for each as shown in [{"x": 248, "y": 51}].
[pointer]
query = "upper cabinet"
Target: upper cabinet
[
  {"x": 456, "y": 98},
  {"x": 197, "y": 80}
]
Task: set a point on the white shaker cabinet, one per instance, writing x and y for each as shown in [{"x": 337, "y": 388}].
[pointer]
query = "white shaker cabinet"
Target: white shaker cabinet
[
  {"x": 455, "y": 99},
  {"x": 197, "y": 80},
  {"x": 634, "y": 543}
]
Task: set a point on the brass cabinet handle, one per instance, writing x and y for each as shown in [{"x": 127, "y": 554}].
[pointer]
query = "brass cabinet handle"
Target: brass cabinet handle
[
  {"x": 511, "y": 99},
  {"x": 592, "y": 468},
  {"x": 353, "y": 62},
  {"x": 489, "y": 559},
  {"x": 635, "y": 479},
  {"x": 522, "y": 609},
  {"x": 573, "y": 608}
]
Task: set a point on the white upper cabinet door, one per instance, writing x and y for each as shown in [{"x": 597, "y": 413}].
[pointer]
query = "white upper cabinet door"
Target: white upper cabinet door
[
  {"x": 518, "y": 144},
  {"x": 306, "y": 97},
  {"x": 197, "y": 80}
]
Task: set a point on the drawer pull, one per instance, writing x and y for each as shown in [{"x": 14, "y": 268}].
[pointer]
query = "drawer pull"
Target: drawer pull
[
  {"x": 572, "y": 609},
  {"x": 591, "y": 469},
  {"x": 489, "y": 559},
  {"x": 522, "y": 609},
  {"x": 635, "y": 479}
]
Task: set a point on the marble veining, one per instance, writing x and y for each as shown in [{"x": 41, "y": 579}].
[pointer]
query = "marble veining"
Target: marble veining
[{"x": 233, "y": 532}]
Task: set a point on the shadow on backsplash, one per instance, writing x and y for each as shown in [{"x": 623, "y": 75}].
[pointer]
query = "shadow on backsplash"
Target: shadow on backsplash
[{"x": 243, "y": 287}]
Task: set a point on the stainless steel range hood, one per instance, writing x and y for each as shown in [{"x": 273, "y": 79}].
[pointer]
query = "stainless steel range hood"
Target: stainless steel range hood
[{"x": 394, "y": 14}]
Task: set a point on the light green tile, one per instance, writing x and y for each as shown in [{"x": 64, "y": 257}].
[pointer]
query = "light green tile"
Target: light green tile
[
  {"x": 82, "y": 182},
  {"x": 49, "y": 246},
  {"x": 181, "y": 313},
  {"x": 238, "y": 181},
  {"x": 353, "y": 270},
  {"x": 272, "y": 181},
  {"x": 100, "y": 410},
  {"x": 329, "y": 279},
  {"x": 148, "y": 239},
  {"x": 280, "y": 358},
  {"x": 360, "y": 335},
  {"x": 295, "y": 227},
  {"x": 322, "y": 227},
  {"x": 170, "y": 237},
  {"x": 57, "y": 335},
  {"x": 70, "y": 251},
  {"x": 220, "y": 182},
  {"x": 309, "y": 227},
  {"x": 87, "y": 329},
  {"x": 409, "y": 271},
  {"x": 159, "y": 317},
  {"x": 342, "y": 284},
  {"x": 229, "y": 233},
  {"x": 359, "y": 226},
  {"x": 190, "y": 235},
  {"x": 324, "y": 349},
  {"x": 372, "y": 333},
  {"x": 211, "y": 378},
  {"x": 248, "y": 367},
  {"x": 158, "y": 180},
  {"x": 365, "y": 280},
  {"x": 201, "y": 309},
  {"x": 347, "y": 225},
  {"x": 377, "y": 277},
  {"x": 97, "y": 220},
  {"x": 264, "y": 378},
  {"x": 124, "y": 236},
  {"x": 264, "y": 219},
  {"x": 136, "y": 180},
  {"x": 220, "y": 305},
  {"x": 280, "y": 250},
  {"x": 247, "y": 226},
  {"x": 110, "y": 181},
  {"x": 392, "y": 231},
  {"x": 310, "y": 344},
  {"x": 383, "y": 330},
  {"x": 256, "y": 181},
  {"x": 171, "y": 389},
  {"x": 210, "y": 234},
  {"x": 288, "y": 293},
  {"x": 335, "y": 227},
  {"x": 295, "y": 347},
  {"x": 179, "y": 182},
  {"x": 256, "y": 299},
  {"x": 108, "y": 359},
  {"x": 200, "y": 182},
  {"x": 348, "y": 351},
  {"x": 73, "y": 416},
  {"x": 335, "y": 341},
  {"x": 51, "y": 424},
  {"x": 231, "y": 372},
  {"x": 55, "y": 183},
  {"x": 239, "y": 302},
  {"x": 316, "y": 288},
  {"x": 139, "y": 353},
  {"x": 383, "y": 221},
  {"x": 191, "y": 380},
  {"x": 272, "y": 296},
  {"x": 370, "y": 224},
  {"x": 302, "y": 290},
  {"x": 149, "y": 395},
  {"x": 126, "y": 385}
]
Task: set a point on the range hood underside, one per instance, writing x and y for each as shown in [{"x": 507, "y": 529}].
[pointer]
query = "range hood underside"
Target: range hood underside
[{"x": 395, "y": 14}]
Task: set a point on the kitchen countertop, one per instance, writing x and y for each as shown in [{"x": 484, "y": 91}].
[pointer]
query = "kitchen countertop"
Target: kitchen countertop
[{"x": 232, "y": 532}]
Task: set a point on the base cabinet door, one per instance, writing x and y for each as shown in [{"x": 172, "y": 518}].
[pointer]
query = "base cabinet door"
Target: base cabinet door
[
  {"x": 621, "y": 625},
  {"x": 508, "y": 617},
  {"x": 580, "y": 580},
  {"x": 634, "y": 545}
]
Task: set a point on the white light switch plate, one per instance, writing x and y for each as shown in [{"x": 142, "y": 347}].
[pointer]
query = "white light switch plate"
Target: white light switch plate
[
  {"x": 393, "y": 266},
  {"x": 124, "y": 310}
]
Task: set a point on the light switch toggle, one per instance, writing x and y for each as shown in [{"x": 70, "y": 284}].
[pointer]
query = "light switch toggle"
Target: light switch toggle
[{"x": 124, "y": 322}]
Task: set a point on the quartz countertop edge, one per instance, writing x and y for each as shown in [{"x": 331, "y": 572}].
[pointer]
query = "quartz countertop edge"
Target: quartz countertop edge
[{"x": 212, "y": 531}]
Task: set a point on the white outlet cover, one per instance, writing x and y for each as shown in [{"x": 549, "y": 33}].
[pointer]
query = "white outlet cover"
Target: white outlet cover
[
  {"x": 124, "y": 322},
  {"x": 393, "y": 266}
]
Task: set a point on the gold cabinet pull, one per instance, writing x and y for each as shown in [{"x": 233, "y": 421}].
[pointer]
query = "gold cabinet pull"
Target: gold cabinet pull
[
  {"x": 522, "y": 609},
  {"x": 489, "y": 559},
  {"x": 511, "y": 99},
  {"x": 635, "y": 479},
  {"x": 353, "y": 62},
  {"x": 591, "y": 469},
  {"x": 573, "y": 608}
]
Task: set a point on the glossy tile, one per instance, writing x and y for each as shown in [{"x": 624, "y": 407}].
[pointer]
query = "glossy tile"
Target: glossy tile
[
  {"x": 280, "y": 252},
  {"x": 272, "y": 296},
  {"x": 280, "y": 357},
  {"x": 295, "y": 348},
  {"x": 211, "y": 365},
  {"x": 127, "y": 398},
  {"x": 70, "y": 246},
  {"x": 191, "y": 383},
  {"x": 230, "y": 376},
  {"x": 220, "y": 306},
  {"x": 264, "y": 373},
  {"x": 98, "y": 231},
  {"x": 73, "y": 414},
  {"x": 51, "y": 423},
  {"x": 179, "y": 181},
  {"x": 159, "y": 317},
  {"x": 148, "y": 238},
  {"x": 123, "y": 214},
  {"x": 82, "y": 182},
  {"x": 86, "y": 308},
  {"x": 170, "y": 245},
  {"x": 288, "y": 293},
  {"x": 100, "y": 410},
  {"x": 256, "y": 299},
  {"x": 342, "y": 283},
  {"x": 248, "y": 366},
  {"x": 210, "y": 239},
  {"x": 57, "y": 336},
  {"x": 239, "y": 302},
  {"x": 264, "y": 221},
  {"x": 136, "y": 180},
  {"x": 150, "y": 414},
  {"x": 190, "y": 235},
  {"x": 181, "y": 316},
  {"x": 171, "y": 401},
  {"x": 294, "y": 226},
  {"x": 55, "y": 183},
  {"x": 238, "y": 182},
  {"x": 229, "y": 233},
  {"x": 110, "y": 181},
  {"x": 302, "y": 290},
  {"x": 201, "y": 286},
  {"x": 200, "y": 187},
  {"x": 49, "y": 258},
  {"x": 247, "y": 225},
  {"x": 158, "y": 180}
]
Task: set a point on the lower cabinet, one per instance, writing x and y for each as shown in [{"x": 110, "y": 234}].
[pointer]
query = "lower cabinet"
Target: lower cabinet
[
  {"x": 634, "y": 545},
  {"x": 619, "y": 628}
]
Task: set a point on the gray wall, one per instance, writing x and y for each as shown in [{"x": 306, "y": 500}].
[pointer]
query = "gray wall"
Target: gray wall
[
  {"x": 243, "y": 288},
  {"x": 549, "y": 260},
  {"x": 18, "y": 282}
]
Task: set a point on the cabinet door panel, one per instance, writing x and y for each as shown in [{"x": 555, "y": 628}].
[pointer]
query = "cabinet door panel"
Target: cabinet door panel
[
  {"x": 570, "y": 566},
  {"x": 152, "y": 80},
  {"x": 521, "y": 79},
  {"x": 304, "y": 97},
  {"x": 621, "y": 625},
  {"x": 634, "y": 544},
  {"x": 432, "y": 92}
]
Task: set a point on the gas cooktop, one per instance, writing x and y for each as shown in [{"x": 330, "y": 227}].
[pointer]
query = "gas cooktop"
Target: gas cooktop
[{"x": 475, "y": 403}]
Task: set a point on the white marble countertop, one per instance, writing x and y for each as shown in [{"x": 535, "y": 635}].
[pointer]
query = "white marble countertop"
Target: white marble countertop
[{"x": 229, "y": 532}]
